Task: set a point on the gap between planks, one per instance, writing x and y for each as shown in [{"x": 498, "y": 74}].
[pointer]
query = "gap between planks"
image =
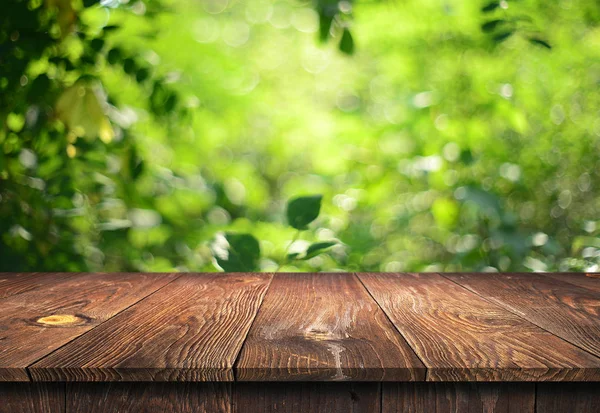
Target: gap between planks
[
  {"x": 175, "y": 277},
  {"x": 360, "y": 281},
  {"x": 237, "y": 356},
  {"x": 512, "y": 311}
]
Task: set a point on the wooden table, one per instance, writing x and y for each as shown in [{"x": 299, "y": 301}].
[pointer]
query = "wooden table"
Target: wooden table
[{"x": 299, "y": 342}]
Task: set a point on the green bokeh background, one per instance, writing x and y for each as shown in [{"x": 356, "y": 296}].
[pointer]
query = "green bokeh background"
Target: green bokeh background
[{"x": 435, "y": 147}]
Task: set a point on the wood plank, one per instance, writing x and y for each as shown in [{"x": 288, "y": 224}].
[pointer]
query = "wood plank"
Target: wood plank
[
  {"x": 17, "y": 283},
  {"x": 307, "y": 397},
  {"x": 591, "y": 281},
  {"x": 191, "y": 330},
  {"x": 324, "y": 327},
  {"x": 568, "y": 398},
  {"x": 32, "y": 397},
  {"x": 564, "y": 309},
  {"x": 460, "y": 336},
  {"x": 35, "y": 323},
  {"x": 458, "y": 397},
  {"x": 149, "y": 397}
]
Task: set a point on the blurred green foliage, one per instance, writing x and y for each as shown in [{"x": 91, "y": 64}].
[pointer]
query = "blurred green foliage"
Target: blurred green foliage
[{"x": 169, "y": 135}]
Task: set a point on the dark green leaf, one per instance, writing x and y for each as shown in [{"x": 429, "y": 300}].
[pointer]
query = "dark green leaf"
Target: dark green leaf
[
  {"x": 490, "y": 7},
  {"x": 39, "y": 87},
  {"x": 292, "y": 256},
  {"x": 142, "y": 75},
  {"x": 303, "y": 210},
  {"x": 347, "y": 43},
  {"x": 243, "y": 253},
  {"x": 171, "y": 102},
  {"x": 491, "y": 25},
  {"x": 540, "y": 42},
  {"x": 110, "y": 28},
  {"x": 114, "y": 56},
  {"x": 500, "y": 37},
  {"x": 325, "y": 22},
  {"x": 466, "y": 157},
  {"x": 318, "y": 248},
  {"x": 129, "y": 66},
  {"x": 97, "y": 44}
]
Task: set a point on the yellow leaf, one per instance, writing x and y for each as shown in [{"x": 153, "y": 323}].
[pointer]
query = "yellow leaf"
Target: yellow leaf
[
  {"x": 80, "y": 109},
  {"x": 66, "y": 15}
]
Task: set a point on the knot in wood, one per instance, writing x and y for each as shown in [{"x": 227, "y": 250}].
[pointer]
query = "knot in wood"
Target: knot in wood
[{"x": 59, "y": 319}]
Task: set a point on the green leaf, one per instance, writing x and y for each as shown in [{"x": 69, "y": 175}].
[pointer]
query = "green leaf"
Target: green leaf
[
  {"x": 142, "y": 75},
  {"x": 466, "y": 157},
  {"x": 129, "y": 66},
  {"x": 110, "y": 28},
  {"x": 500, "y": 37},
  {"x": 325, "y": 22},
  {"x": 292, "y": 256},
  {"x": 242, "y": 255},
  {"x": 347, "y": 43},
  {"x": 490, "y": 7},
  {"x": 114, "y": 56},
  {"x": 303, "y": 210},
  {"x": 318, "y": 248},
  {"x": 540, "y": 42},
  {"x": 97, "y": 44},
  {"x": 491, "y": 25}
]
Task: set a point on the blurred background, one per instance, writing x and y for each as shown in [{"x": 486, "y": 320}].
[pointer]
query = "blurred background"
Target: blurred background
[{"x": 443, "y": 135}]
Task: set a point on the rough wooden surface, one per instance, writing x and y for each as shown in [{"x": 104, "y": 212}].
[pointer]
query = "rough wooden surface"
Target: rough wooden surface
[
  {"x": 567, "y": 397},
  {"x": 17, "y": 283},
  {"x": 324, "y": 327},
  {"x": 460, "y": 336},
  {"x": 37, "y": 322},
  {"x": 307, "y": 397},
  {"x": 32, "y": 397},
  {"x": 562, "y": 308},
  {"x": 589, "y": 281},
  {"x": 299, "y": 327},
  {"x": 148, "y": 398},
  {"x": 458, "y": 397},
  {"x": 191, "y": 330}
]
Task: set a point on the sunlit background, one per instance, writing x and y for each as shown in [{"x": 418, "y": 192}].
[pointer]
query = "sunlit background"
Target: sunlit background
[{"x": 444, "y": 135}]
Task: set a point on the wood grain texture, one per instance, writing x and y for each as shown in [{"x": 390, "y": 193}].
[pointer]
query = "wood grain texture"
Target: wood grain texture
[
  {"x": 460, "y": 336},
  {"x": 458, "y": 397},
  {"x": 568, "y": 398},
  {"x": 564, "y": 309},
  {"x": 35, "y": 323},
  {"x": 307, "y": 397},
  {"x": 148, "y": 398},
  {"x": 324, "y": 327},
  {"x": 191, "y": 330},
  {"x": 17, "y": 283},
  {"x": 32, "y": 397},
  {"x": 591, "y": 281}
]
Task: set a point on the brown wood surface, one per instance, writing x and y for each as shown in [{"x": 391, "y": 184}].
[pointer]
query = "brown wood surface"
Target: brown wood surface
[
  {"x": 562, "y": 308},
  {"x": 460, "y": 336},
  {"x": 148, "y": 398},
  {"x": 591, "y": 281},
  {"x": 354, "y": 397},
  {"x": 191, "y": 330},
  {"x": 458, "y": 398},
  {"x": 32, "y": 397},
  {"x": 307, "y": 397},
  {"x": 18, "y": 282},
  {"x": 324, "y": 327},
  {"x": 568, "y": 398},
  {"x": 37, "y": 322}
]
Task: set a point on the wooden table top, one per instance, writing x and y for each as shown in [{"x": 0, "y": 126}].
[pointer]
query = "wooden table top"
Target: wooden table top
[{"x": 299, "y": 327}]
